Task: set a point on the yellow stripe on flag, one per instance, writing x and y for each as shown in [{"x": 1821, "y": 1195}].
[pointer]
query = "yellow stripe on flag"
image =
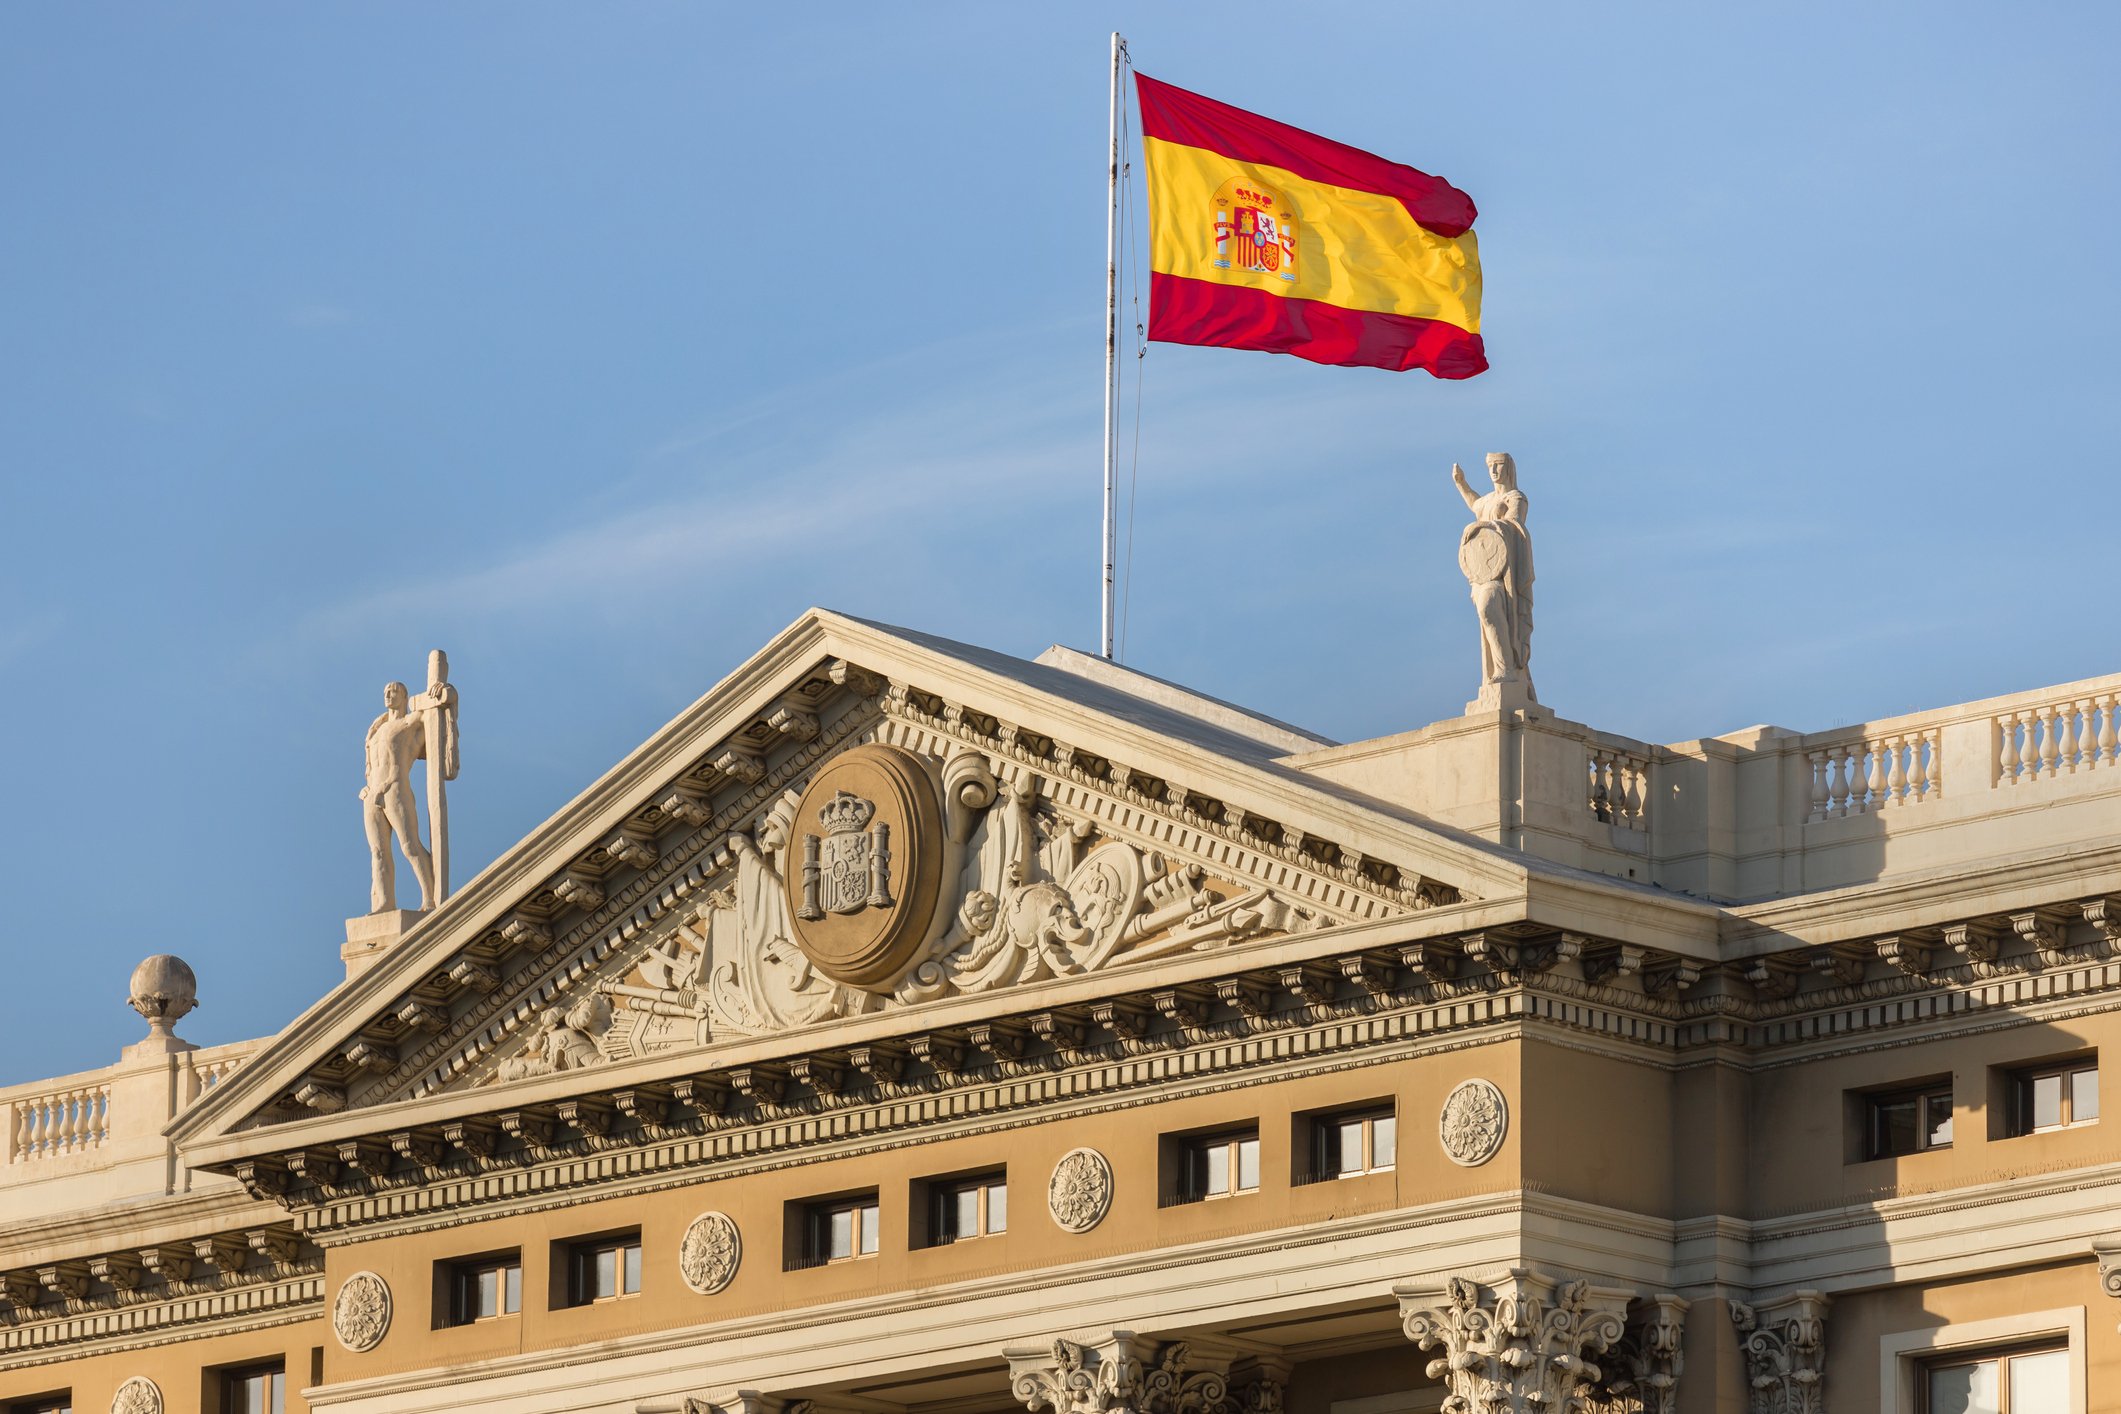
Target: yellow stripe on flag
[{"x": 1355, "y": 249}]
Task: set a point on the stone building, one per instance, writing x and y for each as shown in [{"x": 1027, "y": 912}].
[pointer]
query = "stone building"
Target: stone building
[{"x": 908, "y": 1027}]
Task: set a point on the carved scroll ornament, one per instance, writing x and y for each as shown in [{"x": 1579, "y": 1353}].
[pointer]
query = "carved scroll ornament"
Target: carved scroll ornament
[{"x": 1522, "y": 1344}]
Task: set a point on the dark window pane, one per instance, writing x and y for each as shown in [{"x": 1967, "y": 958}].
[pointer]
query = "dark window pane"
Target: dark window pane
[
  {"x": 513, "y": 1296},
  {"x": 633, "y": 1268},
  {"x": 1964, "y": 1389},
  {"x": 1894, "y": 1126},
  {"x": 868, "y": 1229}
]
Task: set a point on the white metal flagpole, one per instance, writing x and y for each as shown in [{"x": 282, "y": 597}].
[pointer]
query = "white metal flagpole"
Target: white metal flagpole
[{"x": 1111, "y": 535}]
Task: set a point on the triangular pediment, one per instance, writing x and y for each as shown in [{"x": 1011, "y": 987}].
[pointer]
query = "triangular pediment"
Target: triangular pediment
[{"x": 858, "y": 822}]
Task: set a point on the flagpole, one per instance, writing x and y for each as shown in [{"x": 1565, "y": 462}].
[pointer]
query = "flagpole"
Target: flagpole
[{"x": 1119, "y": 50}]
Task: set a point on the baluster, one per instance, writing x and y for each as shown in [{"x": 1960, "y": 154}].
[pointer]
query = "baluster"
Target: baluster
[
  {"x": 2007, "y": 758},
  {"x": 99, "y": 1117},
  {"x": 1896, "y": 783},
  {"x": 1818, "y": 785},
  {"x": 1598, "y": 791},
  {"x": 2107, "y": 704},
  {"x": 68, "y": 1118},
  {"x": 2066, "y": 732},
  {"x": 2055, "y": 716},
  {"x": 18, "y": 1130},
  {"x": 1918, "y": 770},
  {"x": 1638, "y": 791},
  {"x": 1879, "y": 780},
  {"x": 1837, "y": 791},
  {"x": 2035, "y": 752}
]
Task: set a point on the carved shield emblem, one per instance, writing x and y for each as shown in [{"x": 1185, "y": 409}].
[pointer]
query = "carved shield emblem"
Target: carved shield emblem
[
  {"x": 866, "y": 865},
  {"x": 848, "y": 868}
]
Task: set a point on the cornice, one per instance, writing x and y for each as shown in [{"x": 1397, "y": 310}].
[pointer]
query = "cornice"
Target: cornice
[{"x": 257, "y": 1306}]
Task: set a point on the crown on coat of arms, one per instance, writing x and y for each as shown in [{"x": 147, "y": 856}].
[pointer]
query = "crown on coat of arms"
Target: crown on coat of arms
[{"x": 845, "y": 814}]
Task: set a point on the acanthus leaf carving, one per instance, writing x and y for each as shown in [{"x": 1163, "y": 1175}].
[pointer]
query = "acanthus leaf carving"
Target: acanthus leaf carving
[
  {"x": 1785, "y": 1353},
  {"x": 1522, "y": 1343}
]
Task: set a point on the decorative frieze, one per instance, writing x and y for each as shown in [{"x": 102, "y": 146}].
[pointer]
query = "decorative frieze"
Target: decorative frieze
[
  {"x": 1785, "y": 1353},
  {"x": 1523, "y": 1343}
]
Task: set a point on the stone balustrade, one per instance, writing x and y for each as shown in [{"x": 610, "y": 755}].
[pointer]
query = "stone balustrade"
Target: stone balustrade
[
  {"x": 71, "y": 1117},
  {"x": 1866, "y": 772},
  {"x": 67, "y": 1140},
  {"x": 1620, "y": 782},
  {"x": 2055, "y": 737}
]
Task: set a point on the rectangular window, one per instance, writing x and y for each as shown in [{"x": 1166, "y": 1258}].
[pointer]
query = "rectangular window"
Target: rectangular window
[
  {"x": 44, "y": 1404},
  {"x": 1908, "y": 1121},
  {"x": 964, "y": 1208},
  {"x": 604, "y": 1269},
  {"x": 485, "y": 1288},
  {"x": 2059, "y": 1096},
  {"x": 1352, "y": 1143},
  {"x": 254, "y": 1389},
  {"x": 840, "y": 1230},
  {"x": 2016, "y": 1382},
  {"x": 1218, "y": 1165}
]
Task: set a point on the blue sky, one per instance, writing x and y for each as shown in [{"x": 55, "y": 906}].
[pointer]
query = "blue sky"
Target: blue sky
[{"x": 595, "y": 343}]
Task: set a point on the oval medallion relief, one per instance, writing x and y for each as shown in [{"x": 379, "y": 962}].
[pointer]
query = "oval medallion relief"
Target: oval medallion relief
[
  {"x": 1474, "y": 1120},
  {"x": 360, "y": 1313},
  {"x": 1080, "y": 1191},
  {"x": 710, "y": 1253},
  {"x": 865, "y": 865},
  {"x": 138, "y": 1395}
]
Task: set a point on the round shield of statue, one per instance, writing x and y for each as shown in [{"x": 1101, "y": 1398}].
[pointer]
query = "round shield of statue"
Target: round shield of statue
[
  {"x": 1482, "y": 553},
  {"x": 865, "y": 864}
]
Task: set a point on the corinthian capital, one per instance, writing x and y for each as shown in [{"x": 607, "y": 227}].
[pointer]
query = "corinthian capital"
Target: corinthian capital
[
  {"x": 1122, "y": 1374},
  {"x": 1522, "y": 1343},
  {"x": 1785, "y": 1353}
]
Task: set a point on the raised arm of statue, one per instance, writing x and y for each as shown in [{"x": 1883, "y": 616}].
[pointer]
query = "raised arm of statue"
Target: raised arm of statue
[{"x": 1465, "y": 488}]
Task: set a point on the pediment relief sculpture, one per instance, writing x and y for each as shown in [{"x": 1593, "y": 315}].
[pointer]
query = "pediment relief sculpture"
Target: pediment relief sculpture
[{"x": 856, "y": 845}]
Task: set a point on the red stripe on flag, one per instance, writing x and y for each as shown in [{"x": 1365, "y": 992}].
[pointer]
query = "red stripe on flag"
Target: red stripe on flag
[
  {"x": 1188, "y": 311},
  {"x": 1178, "y": 115}
]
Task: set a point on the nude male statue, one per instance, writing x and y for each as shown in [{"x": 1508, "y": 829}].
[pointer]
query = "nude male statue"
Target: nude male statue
[{"x": 395, "y": 740}]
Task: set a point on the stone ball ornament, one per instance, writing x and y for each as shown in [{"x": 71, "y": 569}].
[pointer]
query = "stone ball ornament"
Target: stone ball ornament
[
  {"x": 710, "y": 1253},
  {"x": 360, "y": 1313},
  {"x": 866, "y": 865},
  {"x": 1080, "y": 1192},
  {"x": 1474, "y": 1120},
  {"x": 164, "y": 990},
  {"x": 138, "y": 1395}
]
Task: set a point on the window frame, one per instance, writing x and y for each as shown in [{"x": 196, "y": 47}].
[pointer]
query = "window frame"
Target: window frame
[
  {"x": 2000, "y": 1357},
  {"x": 1905, "y": 1358},
  {"x": 581, "y": 1256},
  {"x": 942, "y": 1216},
  {"x": 56, "y": 1402},
  {"x": 463, "y": 1284},
  {"x": 865, "y": 1223},
  {"x": 1922, "y": 1094},
  {"x": 1323, "y": 1146},
  {"x": 235, "y": 1398},
  {"x": 1194, "y": 1164},
  {"x": 2021, "y": 1079}
]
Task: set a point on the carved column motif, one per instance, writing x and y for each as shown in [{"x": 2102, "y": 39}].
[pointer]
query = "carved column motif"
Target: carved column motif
[
  {"x": 1120, "y": 1375},
  {"x": 1785, "y": 1353},
  {"x": 1642, "y": 1369},
  {"x": 1258, "y": 1384},
  {"x": 1521, "y": 1344}
]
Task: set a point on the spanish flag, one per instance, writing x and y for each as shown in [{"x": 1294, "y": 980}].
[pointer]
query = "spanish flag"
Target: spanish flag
[{"x": 1264, "y": 236}]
